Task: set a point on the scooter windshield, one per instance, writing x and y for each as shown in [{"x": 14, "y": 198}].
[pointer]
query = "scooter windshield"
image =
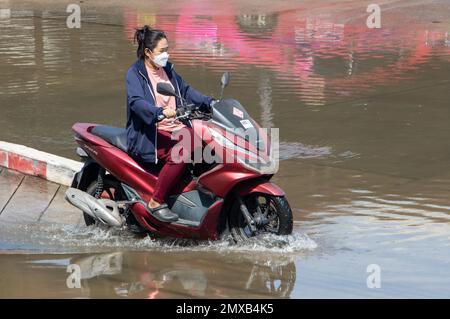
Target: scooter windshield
[{"x": 232, "y": 116}]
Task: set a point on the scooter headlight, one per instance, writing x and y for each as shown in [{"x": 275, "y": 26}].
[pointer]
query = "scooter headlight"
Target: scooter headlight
[
  {"x": 247, "y": 158},
  {"x": 226, "y": 143}
]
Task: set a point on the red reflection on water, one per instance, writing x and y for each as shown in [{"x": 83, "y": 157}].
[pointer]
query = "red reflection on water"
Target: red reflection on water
[{"x": 295, "y": 47}]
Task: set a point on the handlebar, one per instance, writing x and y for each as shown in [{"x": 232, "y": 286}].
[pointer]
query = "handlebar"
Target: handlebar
[{"x": 182, "y": 112}]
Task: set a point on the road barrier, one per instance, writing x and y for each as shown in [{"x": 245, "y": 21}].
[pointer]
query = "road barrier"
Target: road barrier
[{"x": 37, "y": 163}]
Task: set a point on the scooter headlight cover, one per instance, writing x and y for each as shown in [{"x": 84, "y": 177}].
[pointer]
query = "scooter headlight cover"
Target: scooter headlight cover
[{"x": 263, "y": 162}]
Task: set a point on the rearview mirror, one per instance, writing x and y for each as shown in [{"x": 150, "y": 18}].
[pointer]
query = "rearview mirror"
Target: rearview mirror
[
  {"x": 165, "y": 89},
  {"x": 225, "y": 79}
]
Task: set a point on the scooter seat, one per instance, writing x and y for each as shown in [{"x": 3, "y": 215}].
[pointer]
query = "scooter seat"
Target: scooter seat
[{"x": 113, "y": 135}]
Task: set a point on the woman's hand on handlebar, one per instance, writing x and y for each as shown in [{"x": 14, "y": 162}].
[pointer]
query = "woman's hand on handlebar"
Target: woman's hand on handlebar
[
  {"x": 183, "y": 112},
  {"x": 169, "y": 113}
]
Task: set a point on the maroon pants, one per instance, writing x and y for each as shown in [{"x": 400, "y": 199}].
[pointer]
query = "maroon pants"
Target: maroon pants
[{"x": 171, "y": 172}]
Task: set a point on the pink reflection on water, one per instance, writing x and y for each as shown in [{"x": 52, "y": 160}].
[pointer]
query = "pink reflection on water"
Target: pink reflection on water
[{"x": 294, "y": 45}]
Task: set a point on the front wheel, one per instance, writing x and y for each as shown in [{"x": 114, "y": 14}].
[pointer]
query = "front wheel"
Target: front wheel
[{"x": 265, "y": 214}]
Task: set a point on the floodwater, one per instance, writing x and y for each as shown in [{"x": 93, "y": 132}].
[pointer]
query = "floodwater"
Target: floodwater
[{"x": 364, "y": 130}]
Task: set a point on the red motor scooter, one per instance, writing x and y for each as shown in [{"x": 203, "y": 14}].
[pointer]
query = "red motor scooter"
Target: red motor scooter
[{"x": 214, "y": 199}]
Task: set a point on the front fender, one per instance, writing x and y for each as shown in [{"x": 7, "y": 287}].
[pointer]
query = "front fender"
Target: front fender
[{"x": 258, "y": 186}]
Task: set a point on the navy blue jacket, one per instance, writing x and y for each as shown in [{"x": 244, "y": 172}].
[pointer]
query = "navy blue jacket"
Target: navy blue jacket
[{"x": 142, "y": 112}]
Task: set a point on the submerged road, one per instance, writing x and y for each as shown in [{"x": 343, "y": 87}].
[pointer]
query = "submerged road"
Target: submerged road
[
  {"x": 29, "y": 199},
  {"x": 364, "y": 148}
]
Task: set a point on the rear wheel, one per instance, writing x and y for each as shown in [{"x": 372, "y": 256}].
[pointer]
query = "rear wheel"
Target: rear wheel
[
  {"x": 110, "y": 190},
  {"x": 267, "y": 214}
]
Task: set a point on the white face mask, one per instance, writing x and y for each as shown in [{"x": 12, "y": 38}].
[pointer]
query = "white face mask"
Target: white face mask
[{"x": 161, "y": 59}]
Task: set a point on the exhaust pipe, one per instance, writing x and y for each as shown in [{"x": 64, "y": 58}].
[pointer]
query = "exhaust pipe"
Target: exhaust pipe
[{"x": 104, "y": 210}]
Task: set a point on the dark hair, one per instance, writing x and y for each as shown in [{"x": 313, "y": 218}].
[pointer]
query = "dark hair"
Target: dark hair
[{"x": 147, "y": 37}]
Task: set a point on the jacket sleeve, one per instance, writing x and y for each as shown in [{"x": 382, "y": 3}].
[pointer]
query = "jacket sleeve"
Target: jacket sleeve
[
  {"x": 192, "y": 95},
  {"x": 145, "y": 109}
]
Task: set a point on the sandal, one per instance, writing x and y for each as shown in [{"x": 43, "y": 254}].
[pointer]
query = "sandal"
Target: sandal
[{"x": 163, "y": 213}]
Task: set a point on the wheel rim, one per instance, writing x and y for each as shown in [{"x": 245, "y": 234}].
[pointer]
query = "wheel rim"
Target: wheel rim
[{"x": 260, "y": 205}]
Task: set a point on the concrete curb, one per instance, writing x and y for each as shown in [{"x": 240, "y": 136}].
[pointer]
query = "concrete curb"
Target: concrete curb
[{"x": 37, "y": 163}]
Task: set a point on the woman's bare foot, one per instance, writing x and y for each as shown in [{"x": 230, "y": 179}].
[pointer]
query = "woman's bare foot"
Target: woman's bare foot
[{"x": 153, "y": 203}]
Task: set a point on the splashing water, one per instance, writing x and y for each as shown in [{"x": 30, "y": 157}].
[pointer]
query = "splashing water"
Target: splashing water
[{"x": 57, "y": 238}]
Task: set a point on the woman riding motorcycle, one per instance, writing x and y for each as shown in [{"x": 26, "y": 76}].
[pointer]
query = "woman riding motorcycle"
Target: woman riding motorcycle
[{"x": 149, "y": 141}]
